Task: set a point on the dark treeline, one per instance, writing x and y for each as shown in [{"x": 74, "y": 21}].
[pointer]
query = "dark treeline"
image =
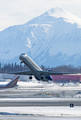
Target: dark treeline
[
  {"x": 64, "y": 68},
  {"x": 12, "y": 67},
  {"x": 16, "y": 67}
]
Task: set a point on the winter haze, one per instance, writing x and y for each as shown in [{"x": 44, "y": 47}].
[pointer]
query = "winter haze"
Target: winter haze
[{"x": 51, "y": 39}]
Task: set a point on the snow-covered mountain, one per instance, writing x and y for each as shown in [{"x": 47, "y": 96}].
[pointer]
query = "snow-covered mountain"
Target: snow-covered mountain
[{"x": 52, "y": 39}]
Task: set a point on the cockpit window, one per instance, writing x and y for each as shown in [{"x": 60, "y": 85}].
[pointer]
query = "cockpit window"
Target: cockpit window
[{"x": 23, "y": 54}]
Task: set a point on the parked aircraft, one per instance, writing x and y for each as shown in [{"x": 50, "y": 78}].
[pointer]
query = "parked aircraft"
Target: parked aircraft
[
  {"x": 11, "y": 84},
  {"x": 35, "y": 70}
]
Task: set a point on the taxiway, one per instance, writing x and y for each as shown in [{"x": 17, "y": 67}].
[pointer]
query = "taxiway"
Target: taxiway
[{"x": 21, "y": 102}]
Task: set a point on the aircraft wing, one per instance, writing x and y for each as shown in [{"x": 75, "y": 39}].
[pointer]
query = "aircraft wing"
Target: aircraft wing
[
  {"x": 29, "y": 72},
  {"x": 52, "y": 73},
  {"x": 26, "y": 72}
]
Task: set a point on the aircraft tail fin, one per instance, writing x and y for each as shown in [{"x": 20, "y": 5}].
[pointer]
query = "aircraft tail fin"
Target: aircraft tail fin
[{"x": 13, "y": 82}]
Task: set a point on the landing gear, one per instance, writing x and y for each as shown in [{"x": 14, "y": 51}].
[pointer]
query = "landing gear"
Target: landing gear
[
  {"x": 21, "y": 62},
  {"x": 42, "y": 78},
  {"x": 30, "y": 77}
]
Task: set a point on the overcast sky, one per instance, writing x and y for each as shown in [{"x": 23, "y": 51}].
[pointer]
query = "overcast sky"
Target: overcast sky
[{"x": 15, "y": 12}]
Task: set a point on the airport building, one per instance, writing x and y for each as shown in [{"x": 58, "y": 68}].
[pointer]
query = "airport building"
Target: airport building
[
  {"x": 56, "y": 78},
  {"x": 8, "y": 77},
  {"x": 67, "y": 78}
]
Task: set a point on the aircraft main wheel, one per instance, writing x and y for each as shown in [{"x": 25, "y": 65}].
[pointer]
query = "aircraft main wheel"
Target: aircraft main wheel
[
  {"x": 30, "y": 77},
  {"x": 42, "y": 78}
]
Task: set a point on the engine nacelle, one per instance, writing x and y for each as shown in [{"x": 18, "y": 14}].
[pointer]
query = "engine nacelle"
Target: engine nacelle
[{"x": 44, "y": 78}]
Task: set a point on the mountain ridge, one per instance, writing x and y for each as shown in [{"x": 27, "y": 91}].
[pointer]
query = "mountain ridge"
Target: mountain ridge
[{"x": 49, "y": 40}]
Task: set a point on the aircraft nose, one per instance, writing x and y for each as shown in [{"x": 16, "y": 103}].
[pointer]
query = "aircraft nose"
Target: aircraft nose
[{"x": 22, "y": 56}]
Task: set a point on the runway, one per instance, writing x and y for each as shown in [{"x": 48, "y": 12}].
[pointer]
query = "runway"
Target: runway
[
  {"x": 24, "y": 102},
  {"x": 23, "y": 97},
  {"x": 37, "y": 118},
  {"x": 36, "y": 101}
]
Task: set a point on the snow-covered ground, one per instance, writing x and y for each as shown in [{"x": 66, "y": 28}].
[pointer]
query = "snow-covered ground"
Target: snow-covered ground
[
  {"x": 44, "y": 111},
  {"x": 39, "y": 99},
  {"x": 29, "y": 84},
  {"x": 50, "y": 88}
]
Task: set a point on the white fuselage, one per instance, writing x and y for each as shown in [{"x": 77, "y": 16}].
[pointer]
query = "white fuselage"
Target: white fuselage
[{"x": 32, "y": 66}]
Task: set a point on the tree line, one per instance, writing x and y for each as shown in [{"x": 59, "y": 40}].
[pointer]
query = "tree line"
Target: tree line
[
  {"x": 7, "y": 67},
  {"x": 12, "y": 67}
]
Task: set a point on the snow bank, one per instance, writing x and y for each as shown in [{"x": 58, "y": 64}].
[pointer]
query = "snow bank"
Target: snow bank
[{"x": 44, "y": 111}]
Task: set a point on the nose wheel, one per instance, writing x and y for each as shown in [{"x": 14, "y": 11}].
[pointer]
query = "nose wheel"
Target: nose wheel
[{"x": 21, "y": 62}]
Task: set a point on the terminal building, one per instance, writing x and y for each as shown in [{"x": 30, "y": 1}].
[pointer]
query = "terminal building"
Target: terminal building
[
  {"x": 56, "y": 78},
  {"x": 67, "y": 78}
]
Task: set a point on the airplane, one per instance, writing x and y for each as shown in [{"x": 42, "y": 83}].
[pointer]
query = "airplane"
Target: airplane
[
  {"x": 11, "y": 84},
  {"x": 35, "y": 70}
]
